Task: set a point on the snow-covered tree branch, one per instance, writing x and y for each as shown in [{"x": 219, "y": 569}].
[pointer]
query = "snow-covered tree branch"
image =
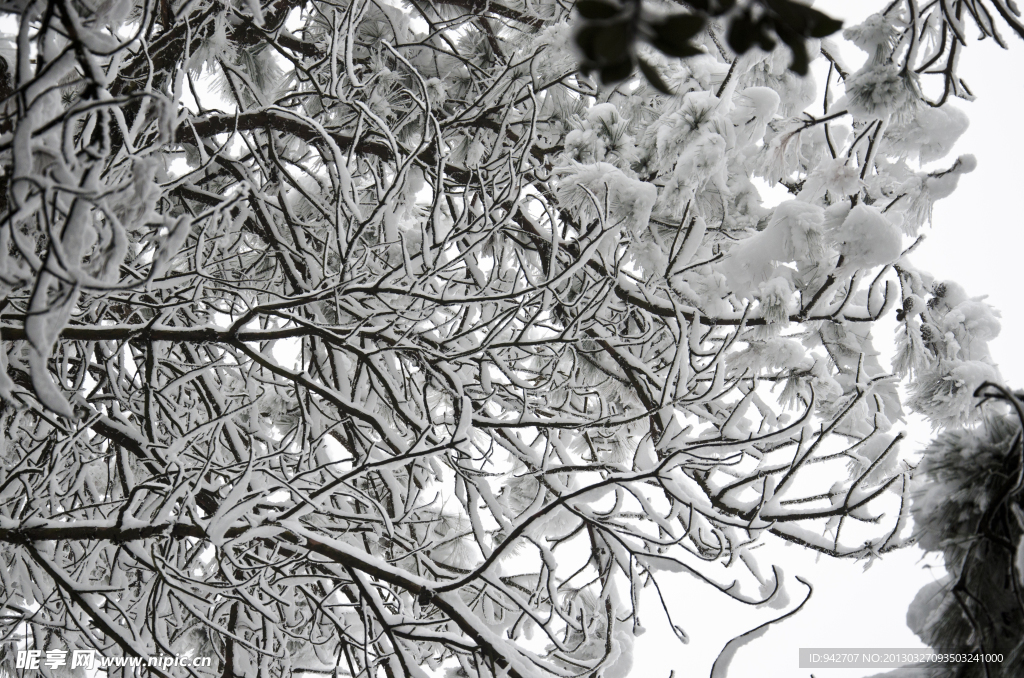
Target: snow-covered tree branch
[{"x": 374, "y": 337}]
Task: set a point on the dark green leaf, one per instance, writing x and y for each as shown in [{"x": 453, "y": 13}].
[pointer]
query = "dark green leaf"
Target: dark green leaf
[
  {"x": 653, "y": 77},
  {"x": 824, "y": 25},
  {"x": 616, "y": 72},
  {"x": 743, "y": 33},
  {"x": 672, "y": 34},
  {"x": 765, "y": 37},
  {"x": 680, "y": 49},
  {"x": 804, "y": 20},
  {"x": 712, "y": 7},
  {"x": 585, "y": 38},
  {"x": 800, "y": 62},
  {"x": 790, "y": 14},
  {"x": 721, "y": 7},
  {"x": 683, "y": 26},
  {"x": 596, "y": 9},
  {"x": 612, "y": 42}
]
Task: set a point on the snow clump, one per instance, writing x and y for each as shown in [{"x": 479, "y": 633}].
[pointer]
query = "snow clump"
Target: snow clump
[
  {"x": 795, "y": 233},
  {"x": 867, "y": 239}
]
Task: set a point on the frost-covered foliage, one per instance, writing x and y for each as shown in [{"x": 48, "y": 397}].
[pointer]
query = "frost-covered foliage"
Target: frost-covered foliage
[
  {"x": 371, "y": 337},
  {"x": 966, "y": 505}
]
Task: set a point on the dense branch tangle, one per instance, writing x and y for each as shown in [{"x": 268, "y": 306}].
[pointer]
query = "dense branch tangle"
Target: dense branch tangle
[{"x": 336, "y": 357}]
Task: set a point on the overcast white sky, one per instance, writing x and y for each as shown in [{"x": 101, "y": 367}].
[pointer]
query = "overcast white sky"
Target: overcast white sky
[{"x": 976, "y": 240}]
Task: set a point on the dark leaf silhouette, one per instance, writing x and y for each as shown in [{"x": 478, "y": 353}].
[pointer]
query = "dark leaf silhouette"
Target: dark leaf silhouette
[
  {"x": 596, "y": 9},
  {"x": 607, "y": 34},
  {"x": 653, "y": 77}
]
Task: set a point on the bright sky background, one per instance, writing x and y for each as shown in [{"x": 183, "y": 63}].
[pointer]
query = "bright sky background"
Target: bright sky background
[{"x": 974, "y": 240}]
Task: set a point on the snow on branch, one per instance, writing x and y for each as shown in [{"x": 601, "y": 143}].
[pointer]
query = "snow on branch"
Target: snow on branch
[{"x": 352, "y": 338}]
